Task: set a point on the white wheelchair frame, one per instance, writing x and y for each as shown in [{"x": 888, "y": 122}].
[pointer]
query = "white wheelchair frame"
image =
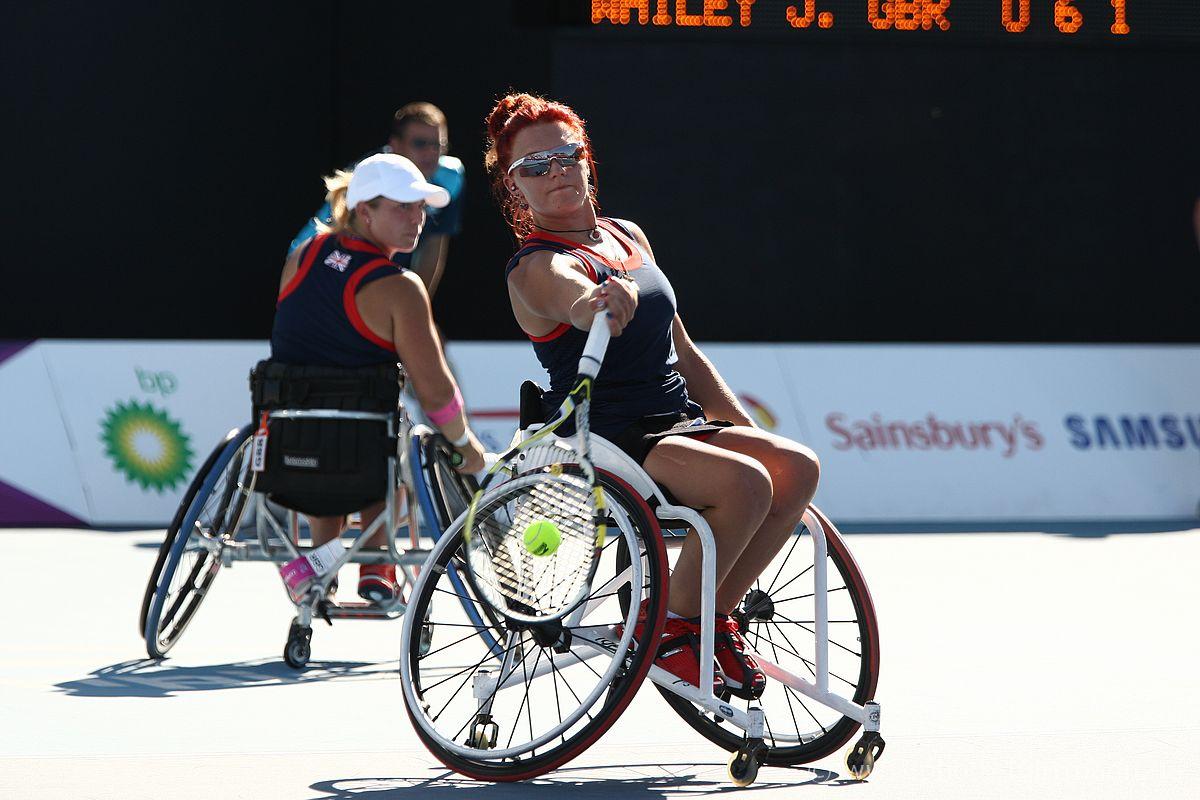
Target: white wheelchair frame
[
  {"x": 607, "y": 457},
  {"x": 610, "y": 458},
  {"x": 284, "y": 545}
]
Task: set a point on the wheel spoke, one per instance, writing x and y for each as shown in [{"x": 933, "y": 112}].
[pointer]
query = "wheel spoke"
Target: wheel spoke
[
  {"x": 557, "y": 701},
  {"x": 810, "y": 594},
  {"x": 788, "y": 692},
  {"x": 478, "y": 632},
  {"x": 833, "y": 642},
  {"x": 810, "y": 664},
  {"x": 471, "y": 669},
  {"x": 795, "y": 540},
  {"x": 578, "y": 710},
  {"x": 800, "y": 699},
  {"x": 528, "y": 693},
  {"x": 476, "y": 665},
  {"x": 785, "y": 694}
]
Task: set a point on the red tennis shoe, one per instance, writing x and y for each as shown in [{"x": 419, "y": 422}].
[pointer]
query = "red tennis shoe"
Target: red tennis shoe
[
  {"x": 377, "y": 583},
  {"x": 743, "y": 677},
  {"x": 678, "y": 649}
]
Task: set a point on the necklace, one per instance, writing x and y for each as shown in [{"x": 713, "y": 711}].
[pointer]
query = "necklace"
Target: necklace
[{"x": 593, "y": 232}]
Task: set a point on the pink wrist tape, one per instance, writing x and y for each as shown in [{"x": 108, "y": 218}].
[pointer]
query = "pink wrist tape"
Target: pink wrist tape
[{"x": 447, "y": 412}]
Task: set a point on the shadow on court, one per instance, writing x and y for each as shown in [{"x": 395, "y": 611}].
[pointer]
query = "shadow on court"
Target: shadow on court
[
  {"x": 655, "y": 780},
  {"x": 149, "y": 678}
]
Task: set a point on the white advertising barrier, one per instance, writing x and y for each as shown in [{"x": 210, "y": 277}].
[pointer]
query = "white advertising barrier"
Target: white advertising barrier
[
  {"x": 138, "y": 419},
  {"x": 38, "y": 468},
  {"x": 1001, "y": 433},
  {"x": 110, "y": 433},
  {"x": 490, "y": 376}
]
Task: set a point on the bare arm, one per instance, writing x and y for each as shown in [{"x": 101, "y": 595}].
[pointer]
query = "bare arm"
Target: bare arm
[
  {"x": 291, "y": 266},
  {"x": 429, "y": 260},
  {"x": 547, "y": 289},
  {"x": 399, "y": 305},
  {"x": 705, "y": 385}
]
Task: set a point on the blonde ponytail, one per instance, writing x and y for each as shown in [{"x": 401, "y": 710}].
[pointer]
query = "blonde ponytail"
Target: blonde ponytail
[{"x": 342, "y": 218}]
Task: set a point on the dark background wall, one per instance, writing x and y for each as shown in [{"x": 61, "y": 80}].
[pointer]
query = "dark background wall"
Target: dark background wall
[{"x": 161, "y": 157}]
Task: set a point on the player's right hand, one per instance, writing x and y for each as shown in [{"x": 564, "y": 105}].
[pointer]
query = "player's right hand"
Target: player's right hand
[
  {"x": 619, "y": 298},
  {"x": 472, "y": 454}
]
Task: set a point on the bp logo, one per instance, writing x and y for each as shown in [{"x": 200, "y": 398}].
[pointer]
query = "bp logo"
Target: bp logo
[
  {"x": 146, "y": 445},
  {"x": 758, "y": 410}
]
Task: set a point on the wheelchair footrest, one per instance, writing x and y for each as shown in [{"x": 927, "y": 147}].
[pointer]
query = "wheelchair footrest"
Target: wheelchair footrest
[{"x": 362, "y": 611}]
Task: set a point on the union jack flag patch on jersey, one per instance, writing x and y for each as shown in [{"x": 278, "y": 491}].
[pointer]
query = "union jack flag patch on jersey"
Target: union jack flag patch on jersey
[{"x": 338, "y": 260}]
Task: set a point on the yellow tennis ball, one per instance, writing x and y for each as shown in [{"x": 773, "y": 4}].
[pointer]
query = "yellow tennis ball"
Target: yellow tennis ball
[{"x": 542, "y": 537}]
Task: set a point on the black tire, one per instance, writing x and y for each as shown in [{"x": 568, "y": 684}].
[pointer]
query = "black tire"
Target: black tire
[
  {"x": 451, "y": 490},
  {"x": 854, "y": 635},
  {"x": 298, "y": 649},
  {"x": 607, "y": 707},
  {"x": 185, "y": 569}
]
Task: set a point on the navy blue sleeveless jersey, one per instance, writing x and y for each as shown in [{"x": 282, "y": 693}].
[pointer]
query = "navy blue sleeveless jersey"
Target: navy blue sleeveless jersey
[
  {"x": 316, "y": 319},
  {"x": 638, "y": 377}
]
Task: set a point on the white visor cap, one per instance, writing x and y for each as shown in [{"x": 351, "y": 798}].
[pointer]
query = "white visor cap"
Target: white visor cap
[{"x": 394, "y": 177}]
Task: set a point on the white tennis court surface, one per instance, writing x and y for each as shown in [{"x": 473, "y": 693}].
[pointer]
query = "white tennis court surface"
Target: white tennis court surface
[{"x": 1014, "y": 665}]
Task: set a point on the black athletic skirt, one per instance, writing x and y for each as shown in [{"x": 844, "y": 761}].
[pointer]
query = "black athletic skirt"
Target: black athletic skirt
[{"x": 639, "y": 438}]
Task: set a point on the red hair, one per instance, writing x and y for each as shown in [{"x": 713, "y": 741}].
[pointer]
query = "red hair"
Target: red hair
[{"x": 514, "y": 113}]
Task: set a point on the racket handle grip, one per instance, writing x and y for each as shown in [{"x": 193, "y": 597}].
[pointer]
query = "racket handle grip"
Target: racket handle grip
[{"x": 597, "y": 343}]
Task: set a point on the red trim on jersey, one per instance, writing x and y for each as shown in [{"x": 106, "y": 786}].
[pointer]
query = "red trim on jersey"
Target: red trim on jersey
[
  {"x": 632, "y": 260},
  {"x": 306, "y": 262},
  {"x": 359, "y": 245},
  {"x": 350, "y": 303},
  {"x": 587, "y": 265},
  {"x": 626, "y": 241},
  {"x": 558, "y": 331}
]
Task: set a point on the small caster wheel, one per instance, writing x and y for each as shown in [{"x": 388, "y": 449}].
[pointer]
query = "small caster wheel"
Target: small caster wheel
[
  {"x": 484, "y": 732},
  {"x": 298, "y": 648},
  {"x": 426, "y": 641},
  {"x": 861, "y": 758},
  {"x": 743, "y": 767}
]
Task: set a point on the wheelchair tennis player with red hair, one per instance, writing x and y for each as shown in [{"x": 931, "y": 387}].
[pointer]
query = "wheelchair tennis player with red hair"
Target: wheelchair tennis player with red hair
[
  {"x": 657, "y": 397},
  {"x": 637, "y": 448}
]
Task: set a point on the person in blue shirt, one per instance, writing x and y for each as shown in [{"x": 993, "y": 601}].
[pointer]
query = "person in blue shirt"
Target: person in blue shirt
[{"x": 419, "y": 133}]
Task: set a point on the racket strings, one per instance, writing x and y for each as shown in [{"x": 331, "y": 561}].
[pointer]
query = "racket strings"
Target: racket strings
[{"x": 538, "y": 585}]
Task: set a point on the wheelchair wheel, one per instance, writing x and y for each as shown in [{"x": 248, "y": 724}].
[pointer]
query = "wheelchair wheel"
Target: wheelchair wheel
[
  {"x": 190, "y": 555},
  {"x": 444, "y": 494},
  {"x": 452, "y": 490},
  {"x": 554, "y": 688},
  {"x": 777, "y": 620}
]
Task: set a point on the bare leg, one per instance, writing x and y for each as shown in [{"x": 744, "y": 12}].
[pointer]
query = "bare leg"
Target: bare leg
[
  {"x": 734, "y": 493},
  {"x": 378, "y": 540},
  {"x": 325, "y": 529},
  {"x": 794, "y": 472}
]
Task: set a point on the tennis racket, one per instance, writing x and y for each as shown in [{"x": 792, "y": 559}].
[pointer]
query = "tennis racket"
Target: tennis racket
[{"x": 532, "y": 543}]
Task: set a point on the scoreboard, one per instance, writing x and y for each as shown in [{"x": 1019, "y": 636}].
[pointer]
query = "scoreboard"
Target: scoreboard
[
  {"x": 1117, "y": 22},
  {"x": 909, "y": 170}
]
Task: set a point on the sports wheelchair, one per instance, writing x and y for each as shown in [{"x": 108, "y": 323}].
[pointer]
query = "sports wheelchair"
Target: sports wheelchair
[
  {"x": 356, "y": 444},
  {"x": 503, "y": 700}
]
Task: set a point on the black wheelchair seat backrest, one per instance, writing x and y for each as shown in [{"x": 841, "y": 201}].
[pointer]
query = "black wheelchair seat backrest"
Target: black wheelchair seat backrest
[
  {"x": 325, "y": 467},
  {"x": 531, "y": 405}
]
